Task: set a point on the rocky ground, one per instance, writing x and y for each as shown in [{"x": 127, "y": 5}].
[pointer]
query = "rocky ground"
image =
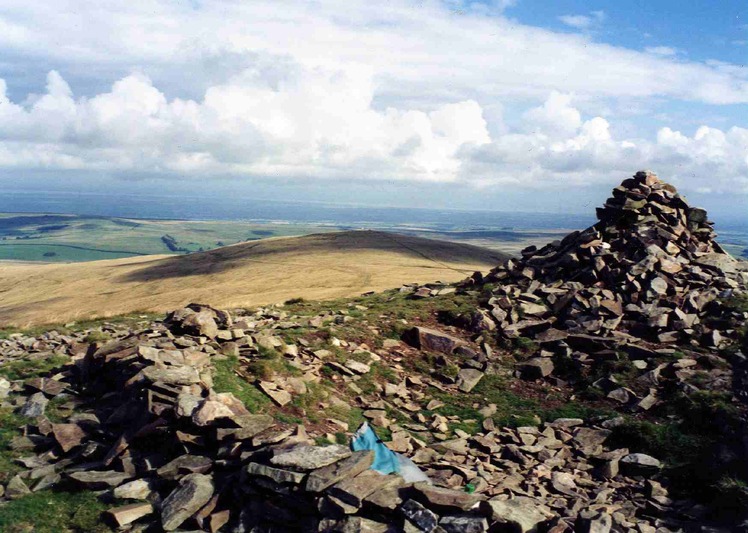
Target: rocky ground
[{"x": 593, "y": 385}]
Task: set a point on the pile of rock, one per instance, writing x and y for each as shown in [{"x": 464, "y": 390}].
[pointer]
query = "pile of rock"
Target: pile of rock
[
  {"x": 143, "y": 425},
  {"x": 648, "y": 272},
  {"x": 560, "y": 475},
  {"x": 148, "y": 427}
]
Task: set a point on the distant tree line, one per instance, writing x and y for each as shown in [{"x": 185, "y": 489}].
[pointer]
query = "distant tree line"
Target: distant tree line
[{"x": 171, "y": 244}]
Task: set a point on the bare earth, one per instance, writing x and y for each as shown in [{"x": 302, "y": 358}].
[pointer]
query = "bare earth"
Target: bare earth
[{"x": 321, "y": 266}]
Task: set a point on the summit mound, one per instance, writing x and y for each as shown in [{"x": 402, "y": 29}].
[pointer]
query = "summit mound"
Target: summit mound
[
  {"x": 320, "y": 266},
  {"x": 650, "y": 269}
]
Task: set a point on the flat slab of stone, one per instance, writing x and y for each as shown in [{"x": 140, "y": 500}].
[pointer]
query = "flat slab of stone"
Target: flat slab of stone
[
  {"x": 639, "y": 464},
  {"x": 468, "y": 378},
  {"x": 194, "y": 491},
  {"x": 311, "y": 457},
  {"x": 279, "y": 396},
  {"x": 249, "y": 426},
  {"x": 521, "y": 513},
  {"x": 443, "y": 499},
  {"x": 181, "y": 375},
  {"x": 16, "y": 488},
  {"x": 329, "y": 475},
  {"x": 185, "y": 464},
  {"x": 139, "y": 489},
  {"x": 354, "y": 490},
  {"x": 128, "y": 514},
  {"x": 68, "y": 436},
  {"x": 98, "y": 480},
  {"x": 464, "y": 524},
  {"x": 276, "y": 474}
]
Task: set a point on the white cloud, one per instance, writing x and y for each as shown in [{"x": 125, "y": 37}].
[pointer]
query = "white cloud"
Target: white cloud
[
  {"x": 350, "y": 90},
  {"x": 419, "y": 52},
  {"x": 321, "y": 123},
  {"x": 665, "y": 51},
  {"x": 583, "y": 22}
]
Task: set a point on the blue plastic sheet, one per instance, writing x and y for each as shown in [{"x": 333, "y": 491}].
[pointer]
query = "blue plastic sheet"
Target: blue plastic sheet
[{"x": 385, "y": 460}]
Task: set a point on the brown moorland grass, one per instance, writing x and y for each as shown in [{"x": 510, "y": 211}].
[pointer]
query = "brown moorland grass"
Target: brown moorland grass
[{"x": 321, "y": 266}]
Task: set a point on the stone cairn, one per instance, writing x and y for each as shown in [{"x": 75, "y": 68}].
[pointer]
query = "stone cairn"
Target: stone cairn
[{"x": 648, "y": 275}]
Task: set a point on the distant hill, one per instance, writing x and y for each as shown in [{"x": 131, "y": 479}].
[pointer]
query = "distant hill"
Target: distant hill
[{"x": 317, "y": 266}]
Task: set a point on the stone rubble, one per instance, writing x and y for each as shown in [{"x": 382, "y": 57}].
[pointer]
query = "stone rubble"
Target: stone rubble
[{"x": 218, "y": 467}]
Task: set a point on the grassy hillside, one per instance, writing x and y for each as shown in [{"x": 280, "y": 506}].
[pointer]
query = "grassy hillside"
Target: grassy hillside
[{"x": 318, "y": 266}]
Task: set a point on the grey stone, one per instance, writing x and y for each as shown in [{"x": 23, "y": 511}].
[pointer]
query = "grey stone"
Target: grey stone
[
  {"x": 97, "y": 480},
  {"x": 442, "y": 499},
  {"x": 139, "y": 489},
  {"x": 276, "y": 474},
  {"x": 34, "y": 406},
  {"x": 16, "y": 488},
  {"x": 468, "y": 378},
  {"x": 432, "y": 340},
  {"x": 180, "y": 375},
  {"x": 464, "y": 524},
  {"x": 4, "y": 388},
  {"x": 639, "y": 464},
  {"x": 193, "y": 492},
  {"x": 523, "y": 514},
  {"x": 185, "y": 464},
  {"x": 352, "y": 524},
  {"x": 599, "y": 524},
  {"x": 311, "y": 457},
  {"x": 536, "y": 368},
  {"x": 354, "y": 490},
  {"x": 423, "y": 518},
  {"x": 329, "y": 475}
]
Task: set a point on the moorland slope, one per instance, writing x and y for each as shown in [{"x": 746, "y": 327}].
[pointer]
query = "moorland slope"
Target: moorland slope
[{"x": 320, "y": 266}]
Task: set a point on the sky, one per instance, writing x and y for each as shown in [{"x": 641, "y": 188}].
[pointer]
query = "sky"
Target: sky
[{"x": 507, "y": 105}]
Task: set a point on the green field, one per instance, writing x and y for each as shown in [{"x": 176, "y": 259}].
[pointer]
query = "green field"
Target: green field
[
  {"x": 72, "y": 238},
  {"x": 63, "y": 238}
]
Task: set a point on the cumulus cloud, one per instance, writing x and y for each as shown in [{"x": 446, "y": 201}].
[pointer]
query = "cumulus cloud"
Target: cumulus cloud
[
  {"x": 348, "y": 90},
  {"x": 321, "y": 123}
]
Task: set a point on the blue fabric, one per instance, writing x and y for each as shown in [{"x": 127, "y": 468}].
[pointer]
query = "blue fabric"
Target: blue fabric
[{"x": 385, "y": 460}]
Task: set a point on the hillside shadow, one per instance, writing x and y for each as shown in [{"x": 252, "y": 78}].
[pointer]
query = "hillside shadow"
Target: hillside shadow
[{"x": 237, "y": 256}]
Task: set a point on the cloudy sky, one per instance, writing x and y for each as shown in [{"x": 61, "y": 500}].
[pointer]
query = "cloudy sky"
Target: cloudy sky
[{"x": 508, "y": 104}]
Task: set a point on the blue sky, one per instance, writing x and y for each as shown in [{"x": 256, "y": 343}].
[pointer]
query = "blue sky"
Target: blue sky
[
  {"x": 506, "y": 105},
  {"x": 698, "y": 30}
]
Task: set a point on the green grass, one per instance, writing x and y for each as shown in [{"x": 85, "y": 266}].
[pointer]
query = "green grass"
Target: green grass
[
  {"x": 309, "y": 403},
  {"x": 96, "y": 336},
  {"x": 689, "y": 438},
  {"x": 54, "y": 512},
  {"x": 86, "y": 238},
  {"x": 28, "y": 368},
  {"x": 9, "y": 428},
  {"x": 225, "y": 380},
  {"x": 512, "y": 410},
  {"x": 269, "y": 364}
]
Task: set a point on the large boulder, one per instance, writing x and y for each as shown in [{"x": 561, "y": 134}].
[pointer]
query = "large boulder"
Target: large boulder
[
  {"x": 432, "y": 340},
  {"x": 199, "y": 320}
]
